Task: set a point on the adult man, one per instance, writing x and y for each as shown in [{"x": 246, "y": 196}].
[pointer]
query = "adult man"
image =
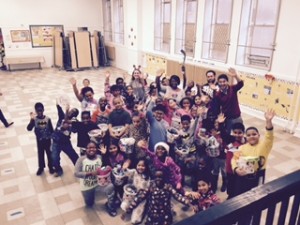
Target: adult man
[
  {"x": 227, "y": 99},
  {"x": 211, "y": 86}
]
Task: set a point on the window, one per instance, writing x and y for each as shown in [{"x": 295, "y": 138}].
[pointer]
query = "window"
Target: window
[
  {"x": 257, "y": 33},
  {"x": 186, "y": 22},
  {"x": 216, "y": 29},
  {"x": 118, "y": 21},
  {"x": 106, "y": 6},
  {"x": 162, "y": 25}
]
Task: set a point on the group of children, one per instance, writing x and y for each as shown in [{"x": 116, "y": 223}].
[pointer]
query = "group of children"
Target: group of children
[{"x": 169, "y": 133}]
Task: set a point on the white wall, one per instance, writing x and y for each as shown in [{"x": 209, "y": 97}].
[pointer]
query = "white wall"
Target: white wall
[
  {"x": 287, "y": 54},
  {"x": 19, "y": 14},
  {"x": 287, "y": 51},
  {"x": 286, "y": 60},
  {"x": 139, "y": 15}
]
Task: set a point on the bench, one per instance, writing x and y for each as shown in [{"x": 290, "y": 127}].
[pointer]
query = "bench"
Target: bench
[{"x": 9, "y": 61}]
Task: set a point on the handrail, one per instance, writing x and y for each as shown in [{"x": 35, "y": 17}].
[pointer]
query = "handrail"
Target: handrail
[{"x": 253, "y": 203}]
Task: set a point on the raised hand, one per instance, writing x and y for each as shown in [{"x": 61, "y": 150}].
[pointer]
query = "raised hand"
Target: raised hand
[
  {"x": 140, "y": 107},
  {"x": 269, "y": 114},
  {"x": 145, "y": 76},
  {"x": 142, "y": 144},
  {"x": 32, "y": 115},
  {"x": 67, "y": 107},
  {"x": 72, "y": 81},
  {"x": 125, "y": 75},
  {"x": 232, "y": 72},
  {"x": 201, "y": 111},
  {"x": 221, "y": 118},
  {"x": 103, "y": 149},
  {"x": 107, "y": 74},
  {"x": 160, "y": 72}
]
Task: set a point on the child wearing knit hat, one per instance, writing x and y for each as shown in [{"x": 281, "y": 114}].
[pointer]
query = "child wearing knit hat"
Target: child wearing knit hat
[{"x": 162, "y": 161}]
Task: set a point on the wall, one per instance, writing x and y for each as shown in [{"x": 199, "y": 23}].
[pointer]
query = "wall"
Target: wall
[
  {"x": 284, "y": 95},
  {"x": 19, "y": 14},
  {"x": 139, "y": 15}
]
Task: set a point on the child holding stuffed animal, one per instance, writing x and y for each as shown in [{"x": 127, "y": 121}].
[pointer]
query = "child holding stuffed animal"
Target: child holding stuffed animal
[
  {"x": 140, "y": 179},
  {"x": 118, "y": 118},
  {"x": 139, "y": 131},
  {"x": 255, "y": 148},
  {"x": 116, "y": 159},
  {"x": 162, "y": 161},
  {"x": 86, "y": 169}
]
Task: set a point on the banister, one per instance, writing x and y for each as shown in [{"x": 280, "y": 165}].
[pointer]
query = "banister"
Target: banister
[{"x": 252, "y": 203}]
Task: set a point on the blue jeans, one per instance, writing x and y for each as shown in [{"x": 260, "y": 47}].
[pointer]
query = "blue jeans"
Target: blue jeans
[
  {"x": 89, "y": 195},
  {"x": 66, "y": 148},
  {"x": 219, "y": 165}
]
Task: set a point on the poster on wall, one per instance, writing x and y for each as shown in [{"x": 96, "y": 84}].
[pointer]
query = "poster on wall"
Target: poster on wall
[
  {"x": 20, "y": 36},
  {"x": 42, "y": 35}
]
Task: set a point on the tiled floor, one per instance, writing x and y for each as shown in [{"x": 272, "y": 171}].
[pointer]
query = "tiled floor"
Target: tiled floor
[{"x": 28, "y": 199}]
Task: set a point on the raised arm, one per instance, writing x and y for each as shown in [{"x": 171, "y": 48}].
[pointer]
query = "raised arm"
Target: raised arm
[
  {"x": 199, "y": 92},
  {"x": 75, "y": 89},
  {"x": 107, "y": 85},
  {"x": 232, "y": 72},
  {"x": 184, "y": 76},
  {"x": 269, "y": 135},
  {"x": 159, "y": 73},
  {"x": 269, "y": 115},
  {"x": 31, "y": 124}
]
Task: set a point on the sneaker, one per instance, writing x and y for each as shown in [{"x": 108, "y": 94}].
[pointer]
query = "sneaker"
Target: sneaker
[
  {"x": 223, "y": 187},
  {"x": 111, "y": 211},
  {"x": 173, "y": 212},
  {"x": 123, "y": 216},
  {"x": 39, "y": 171},
  {"x": 185, "y": 208},
  {"x": 9, "y": 124},
  {"x": 51, "y": 170},
  {"x": 58, "y": 174},
  {"x": 82, "y": 152}
]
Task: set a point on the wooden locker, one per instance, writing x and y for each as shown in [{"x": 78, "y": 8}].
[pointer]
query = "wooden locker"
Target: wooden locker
[{"x": 83, "y": 49}]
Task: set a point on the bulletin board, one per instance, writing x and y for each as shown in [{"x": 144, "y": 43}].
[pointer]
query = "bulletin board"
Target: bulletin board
[
  {"x": 259, "y": 93},
  {"x": 154, "y": 63},
  {"x": 42, "y": 35},
  {"x": 20, "y": 36}
]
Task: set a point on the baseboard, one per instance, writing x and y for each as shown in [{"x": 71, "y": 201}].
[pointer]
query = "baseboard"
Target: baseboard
[
  {"x": 297, "y": 132},
  {"x": 285, "y": 124}
]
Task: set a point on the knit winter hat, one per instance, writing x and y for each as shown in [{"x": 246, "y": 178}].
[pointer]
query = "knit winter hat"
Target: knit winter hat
[{"x": 164, "y": 145}]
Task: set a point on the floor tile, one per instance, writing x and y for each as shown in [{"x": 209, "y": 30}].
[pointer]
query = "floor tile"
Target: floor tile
[{"x": 46, "y": 200}]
